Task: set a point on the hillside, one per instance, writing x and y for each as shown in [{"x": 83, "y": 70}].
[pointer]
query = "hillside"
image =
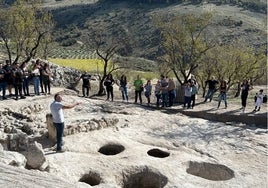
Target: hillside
[
  {"x": 136, "y": 21},
  {"x": 76, "y": 18}
]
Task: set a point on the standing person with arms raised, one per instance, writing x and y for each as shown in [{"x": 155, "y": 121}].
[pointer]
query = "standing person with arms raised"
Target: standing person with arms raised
[{"x": 56, "y": 108}]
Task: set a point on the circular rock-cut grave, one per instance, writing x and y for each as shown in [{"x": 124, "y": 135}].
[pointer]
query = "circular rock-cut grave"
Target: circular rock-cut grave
[
  {"x": 158, "y": 153},
  {"x": 111, "y": 149},
  {"x": 91, "y": 178},
  {"x": 144, "y": 178},
  {"x": 210, "y": 171}
]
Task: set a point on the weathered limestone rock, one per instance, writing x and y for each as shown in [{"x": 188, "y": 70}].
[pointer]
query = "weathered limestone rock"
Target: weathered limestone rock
[
  {"x": 17, "y": 177},
  {"x": 17, "y": 141},
  {"x": 36, "y": 157},
  {"x": 51, "y": 128},
  {"x": 12, "y": 158},
  {"x": 79, "y": 126}
]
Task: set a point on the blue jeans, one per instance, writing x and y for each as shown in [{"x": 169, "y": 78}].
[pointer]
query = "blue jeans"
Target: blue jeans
[
  {"x": 36, "y": 83},
  {"x": 164, "y": 99},
  {"x": 3, "y": 86},
  {"x": 222, "y": 96},
  {"x": 158, "y": 97},
  {"x": 59, "y": 128},
  {"x": 210, "y": 94},
  {"x": 25, "y": 86},
  {"x": 171, "y": 97},
  {"x": 124, "y": 93}
]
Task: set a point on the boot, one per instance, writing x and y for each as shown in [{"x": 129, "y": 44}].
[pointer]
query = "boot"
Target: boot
[{"x": 255, "y": 109}]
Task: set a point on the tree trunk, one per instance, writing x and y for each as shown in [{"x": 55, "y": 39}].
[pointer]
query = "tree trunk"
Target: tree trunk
[
  {"x": 238, "y": 90},
  {"x": 101, "y": 89},
  {"x": 204, "y": 92}
]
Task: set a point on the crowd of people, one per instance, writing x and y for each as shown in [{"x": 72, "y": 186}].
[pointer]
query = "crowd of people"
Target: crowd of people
[
  {"x": 165, "y": 93},
  {"x": 16, "y": 79}
]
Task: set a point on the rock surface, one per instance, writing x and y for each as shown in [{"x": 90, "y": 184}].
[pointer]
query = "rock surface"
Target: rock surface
[{"x": 134, "y": 146}]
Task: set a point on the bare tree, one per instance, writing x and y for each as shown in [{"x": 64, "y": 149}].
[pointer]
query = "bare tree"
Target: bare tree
[
  {"x": 107, "y": 47},
  {"x": 23, "y": 27}
]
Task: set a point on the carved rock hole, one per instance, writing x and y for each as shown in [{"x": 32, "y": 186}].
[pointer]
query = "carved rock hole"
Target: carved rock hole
[
  {"x": 210, "y": 171},
  {"x": 111, "y": 149},
  {"x": 91, "y": 178},
  {"x": 145, "y": 179},
  {"x": 158, "y": 153}
]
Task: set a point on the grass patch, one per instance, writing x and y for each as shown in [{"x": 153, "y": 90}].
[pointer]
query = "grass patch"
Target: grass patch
[
  {"x": 96, "y": 66},
  {"x": 90, "y": 65}
]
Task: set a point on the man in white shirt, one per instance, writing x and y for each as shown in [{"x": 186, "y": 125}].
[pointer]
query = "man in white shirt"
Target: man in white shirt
[{"x": 56, "y": 109}]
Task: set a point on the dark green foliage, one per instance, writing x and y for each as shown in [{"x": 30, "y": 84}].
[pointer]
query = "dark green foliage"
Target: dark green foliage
[
  {"x": 68, "y": 42},
  {"x": 254, "y": 5}
]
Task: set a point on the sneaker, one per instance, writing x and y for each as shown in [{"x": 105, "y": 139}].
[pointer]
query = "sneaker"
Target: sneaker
[{"x": 22, "y": 97}]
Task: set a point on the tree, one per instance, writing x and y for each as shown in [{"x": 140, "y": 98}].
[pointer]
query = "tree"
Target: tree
[
  {"x": 206, "y": 69},
  {"x": 234, "y": 62},
  {"x": 107, "y": 47},
  {"x": 24, "y": 26},
  {"x": 184, "y": 42}
]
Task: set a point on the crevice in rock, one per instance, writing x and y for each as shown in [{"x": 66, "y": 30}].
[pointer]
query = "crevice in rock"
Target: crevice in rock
[
  {"x": 144, "y": 178},
  {"x": 111, "y": 149},
  {"x": 91, "y": 178},
  {"x": 210, "y": 171},
  {"x": 158, "y": 153}
]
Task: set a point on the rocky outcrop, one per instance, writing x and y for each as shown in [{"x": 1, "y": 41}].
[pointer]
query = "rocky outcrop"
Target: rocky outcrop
[
  {"x": 35, "y": 157},
  {"x": 17, "y": 177},
  {"x": 79, "y": 126},
  {"x": 12, "y": 158},
  {"x": 64, "y": 76}
]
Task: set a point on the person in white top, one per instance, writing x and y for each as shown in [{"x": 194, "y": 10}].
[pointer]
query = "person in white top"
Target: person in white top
[
  {"x": 259, "y": 100},
  {"x": 56, "y": 108}
]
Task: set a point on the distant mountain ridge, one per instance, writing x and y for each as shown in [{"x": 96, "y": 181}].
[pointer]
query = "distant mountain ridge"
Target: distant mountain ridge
[
  {"x": 74, "y": 17},
  {"x": 136, "y": 19}
]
